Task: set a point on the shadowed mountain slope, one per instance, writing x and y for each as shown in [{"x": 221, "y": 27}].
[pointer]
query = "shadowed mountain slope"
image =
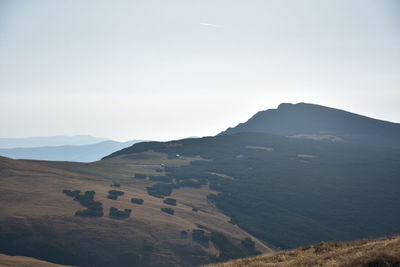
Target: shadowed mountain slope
[
  {"x": 292, "y": 192},
  {"x": 322, "y": 123}
]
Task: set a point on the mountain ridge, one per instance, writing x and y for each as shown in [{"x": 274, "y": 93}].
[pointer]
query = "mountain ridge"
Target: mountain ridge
[
  {"x": 78, "y": 153},
  {"x": 58, "y": 140},
  {"x": 321, "y": 123}
]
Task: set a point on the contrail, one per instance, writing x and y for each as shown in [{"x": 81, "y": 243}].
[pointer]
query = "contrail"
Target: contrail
[{"x": 211, "y": 25}]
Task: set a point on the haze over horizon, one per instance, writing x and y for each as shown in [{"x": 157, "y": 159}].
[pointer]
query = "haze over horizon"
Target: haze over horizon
[{"x": 155, "y": 70}]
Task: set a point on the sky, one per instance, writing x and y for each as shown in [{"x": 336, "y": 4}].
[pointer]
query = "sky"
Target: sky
[{"x": 165, "y": 70}]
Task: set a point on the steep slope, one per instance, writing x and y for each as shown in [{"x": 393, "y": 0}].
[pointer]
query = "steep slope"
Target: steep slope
[
  {"x": 362, "y": 253},
  {"x": 38, "y": 220},
  {"x": 81, "y": 153},
  {"x": 292, "y": 192},
  {"x": 41, "y": 141},
  {"x": 321, "y": 123}
]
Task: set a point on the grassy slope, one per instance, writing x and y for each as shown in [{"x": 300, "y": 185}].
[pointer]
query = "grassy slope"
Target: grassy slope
[
  {"x": 37, "y": 220},
  {"x": 370, "y": 252},
  {"x": 18, "y": 261},
  {"x": 295, "y": 192}
]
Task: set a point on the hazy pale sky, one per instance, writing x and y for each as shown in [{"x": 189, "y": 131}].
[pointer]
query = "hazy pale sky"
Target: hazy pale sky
[{"x": 171, "y": 69}]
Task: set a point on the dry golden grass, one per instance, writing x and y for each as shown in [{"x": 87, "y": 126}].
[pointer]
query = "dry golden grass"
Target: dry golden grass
[
  {"x": 18, "y": 261},
  {"x": 370, "y": 252},
  {"x": 31, "y": 199}
]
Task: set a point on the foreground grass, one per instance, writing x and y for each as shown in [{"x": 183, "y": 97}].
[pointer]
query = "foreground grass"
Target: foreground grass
[
  {"x": 18, "y": 261},
  {"x": 368, "y": 252}
]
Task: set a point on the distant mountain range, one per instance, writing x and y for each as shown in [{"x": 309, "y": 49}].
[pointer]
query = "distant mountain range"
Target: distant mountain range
[
  {"x": 321, "y": 123},
  {"x": 40, "y": 141},
  {"x": 83, "y": 153},
  {"x": 80, "y": 148}
]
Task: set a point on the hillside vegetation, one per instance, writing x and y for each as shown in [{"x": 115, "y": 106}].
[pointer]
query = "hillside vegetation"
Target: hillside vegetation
[
  {"x": 291, "y": 192},
  {"x": 60, "y": 212},
  {"x": 18, "y": 261},
  {"x": 362, "y": 253}
]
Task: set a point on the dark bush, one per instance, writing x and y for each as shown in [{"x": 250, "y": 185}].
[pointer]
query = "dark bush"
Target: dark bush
[
  {"x": 200, "y": 237},
  {"x": 115, "y": 185},
  {"x": 195, "y": 209},
  {"x": 113, "y": 197},
  {"x": 138, "y": 201},
  {"x": 190, "y": 183},
  {"x": 71, "y": 193},
  {"x": 160, "y": 190},
  {"x": 90, "y": 213},
  {"x": 140, "y": 176},
  {"x": 119, "y": 214},
  {"x": 170, "y": 201},
  {"x": 90, "y": 203},
  {"x": 115, "y": 192},
  {"x": 164, "y": 179},
  {"x": 168, "y": 210},
  {"x": 88, "y": 195},
  {"x": 227, "y": 250}
]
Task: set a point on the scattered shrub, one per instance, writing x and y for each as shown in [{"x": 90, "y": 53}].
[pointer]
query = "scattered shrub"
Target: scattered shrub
[
  {"x": 168, "y": 210},
  {"x": 164, "y": 179},
  {"x": 119, "y": 214},
  {"x": 113, "y": 197},
  {"x": 190, "y": 183},
  {"x": 115, "y": 192},
  {"x": 140, "y": 176},
  {"x": 170, "y": 201},
  {"x": 90, "y": 212},
  {"x": 195, "y": 209},
  {"x": 94, "y": 208},
  {"x": 201, "y": 226},
  {"x": 90, "y": 203},
  {"x": 160, "y": 190},
  {"x": 115, "y": 184},
  {"x": 227, "y": 250},
  {"x": 138, "y": 201},
  {"x": 88, "y": 195},
  {"x": 71, "y": 193},
  {"x": 200, "y": 237}
]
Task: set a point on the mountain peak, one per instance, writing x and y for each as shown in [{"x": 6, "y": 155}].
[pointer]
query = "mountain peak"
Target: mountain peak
[{"x": 321, "y": 123}]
